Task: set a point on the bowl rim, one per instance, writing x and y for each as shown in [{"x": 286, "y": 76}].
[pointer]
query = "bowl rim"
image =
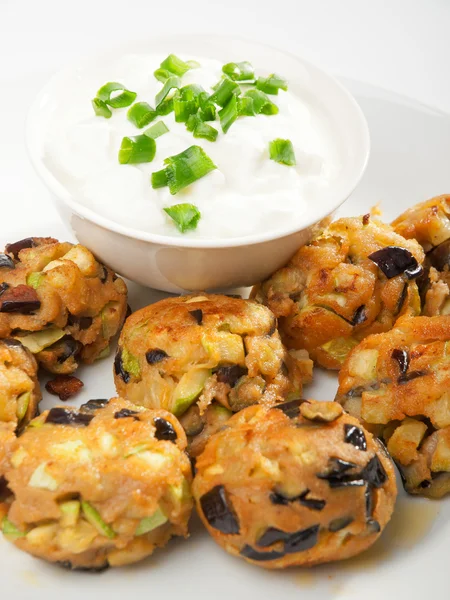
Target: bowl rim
[{"x": 63, "y": 194}]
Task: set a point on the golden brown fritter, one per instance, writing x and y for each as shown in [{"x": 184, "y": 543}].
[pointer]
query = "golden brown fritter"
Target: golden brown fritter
[
  {"x": 97, "y": 487},
  {"x": 20, "y": 393},
  {"x": 429, "y": 223},
  {"x": 397, "y": 384},
  {"x": 298, "y": 484},
  {"x": 355, "y": 278},
  {"x": 190, "y": 351},
  {"x": 59, "y": 302}
]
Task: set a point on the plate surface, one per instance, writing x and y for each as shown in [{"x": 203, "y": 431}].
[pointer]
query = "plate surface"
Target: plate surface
[{"x": 409, "y": 163}]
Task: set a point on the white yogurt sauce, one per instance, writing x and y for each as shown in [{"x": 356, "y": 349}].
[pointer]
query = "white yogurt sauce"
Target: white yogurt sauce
[{"x": 248, "y": 193}]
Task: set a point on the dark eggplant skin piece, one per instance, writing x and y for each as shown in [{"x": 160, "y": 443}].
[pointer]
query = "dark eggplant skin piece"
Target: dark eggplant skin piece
[
  {"x": 338, "y": 524},
  {"x": 302, "y": 540},
  {"x": 338, "y": 475},
  {"x": 155, "y": 355},
  {"x": 359, "y": 316},
  {"x": 198, "y": 315},
  {"x": 312, "y": 503},
  {"x": 15, "y": 247},
  {"x": 62, "y": 416},
  {"x": 219, "y": 511},
  {"x": 82, "y": 322},
  {"x": 369, "y": 501},
  {"x": 69, "y": 347},
  {"x": 253, "y": 554},
  {"x": 439, "y": 257},
  {"x": 394, "y": 260},
  {"x": 271, "y": 536},
  {"x": 66, "y": 564},
  {"x": 402, "y": 357},
  {"x": 124, "y": 413},
  {"x": 104, "y": 275},
  {"x": 373, "y": 525},
  {"x": 355, "y": 436},
  {"x": 6, "y": 261},
  {"x": 291, "y": 408},
  {"x": 118, "y": 366},
  {"x": 401, "y": 299},
  {"x": 3, "y": 287},
  {"x": 410, "y": 376},
  {"x": 374, "y": 473},
  {"x": 95, "y": 404},
  {"x": 164, "y": 430},
  {"x": 230, "y": 374},
  {"x": 293, "y": 542},
  {"x": 12, "y": 342}
]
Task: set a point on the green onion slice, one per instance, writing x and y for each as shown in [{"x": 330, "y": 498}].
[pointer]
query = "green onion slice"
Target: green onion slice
[
  {"x": 138, "y": 149},
  {"x": 224, "y": 90},
  {"x": 282, "y": 151},
  {"x": 101, "y": 109},
  {"x": 228, "y": 114},
  {"x": 156, "y": 130},
  {"x": 245, "y": 107},
  {"x": 118, "y": 100},
  {"x": 271, "y": 84},
  {"x": 141, "y": 114},
  {"x": 162, "y": 75},
  {"x": 165, "y": 107},
  {"x": 159, "y": 179},
  {"x": 207, "y": 108},
  {"x": 175, "y": 65},
  {"x": 241, "y": 71},
  {"x": 185, "y": 216},
  {"x": 200, "y": 129},
  {"x": 261, "y": 103},
  {"x": 184, "y": 168},
  {"x": 186, "y": 102},
  {"x": 171, "y": 83}
]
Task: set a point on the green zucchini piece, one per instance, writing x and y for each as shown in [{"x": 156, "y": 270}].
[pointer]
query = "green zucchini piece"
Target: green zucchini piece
[
  {"x": 94, "y": 518},
  {"x": 188, "y": 389},
  {"x": 23, "y": 402},
  {"x": 35, "y": 279},
  {"x": 39, "y": 340},
  {"x": 10, "y": 530},
  {"x": 147, "y": 524}
]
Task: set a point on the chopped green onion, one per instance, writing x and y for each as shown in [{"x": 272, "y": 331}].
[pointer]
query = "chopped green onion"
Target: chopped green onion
[
  {"x": 159, "y": 179},
  {"x": 191, "y": 91},
  {"x": 224, "y": 91},
  {"x": 242, "y": 71},
  {"x": 271, "y": 84},
  {"x": 138, "y": 149},
  {"x": 165, "y": 107},
  {"x": 282, "y": 151},
  {"x": 184, "y": 168},
  {"x": 201, "y": 129},
  {"x": 245, "y": 106},
  {"x": 175, "y": 65},
  {"x": 186, "y": 102},
  {"x": 171, "y": 83},
  {"x": 141, "y": 114},
  {"x": 118, "y": 101},
  {"x": 261, "y": 103},
  {"x": 185, "y": 216},
  {"x": 228, "y": 114},
  {"x": 162, "y": 75},
  {"x": 156, "y": 130},
  {"x": 101, "y": 109},
  {"x": 207, "y": 108}
]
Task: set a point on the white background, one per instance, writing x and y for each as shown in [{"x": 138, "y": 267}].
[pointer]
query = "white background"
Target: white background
[{"x": 401, "y": 45}]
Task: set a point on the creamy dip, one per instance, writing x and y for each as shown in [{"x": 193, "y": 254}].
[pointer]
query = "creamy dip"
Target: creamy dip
[{"x": 247, "y": 194}]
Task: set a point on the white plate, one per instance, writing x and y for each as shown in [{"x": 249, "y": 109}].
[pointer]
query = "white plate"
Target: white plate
[{"x": 409, "y": 163}]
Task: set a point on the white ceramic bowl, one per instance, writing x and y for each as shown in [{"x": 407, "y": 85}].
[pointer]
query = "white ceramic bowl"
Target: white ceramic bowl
[{"x": 173, "y": 264}]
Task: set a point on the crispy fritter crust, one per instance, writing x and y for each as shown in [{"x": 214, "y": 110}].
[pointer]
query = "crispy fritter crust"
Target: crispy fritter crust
[
  {"x": 125, "y": 462},
  {"x": 194, "y": 350},
  {"x": 331, "y": 295},
  {"x": 61, "y": 290},
  {"x": 429, "y": 223},
  {"x": 397, "y": 383},
  {"x": 20, "y": 393},
  {"x": 271, "y": 482}
]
